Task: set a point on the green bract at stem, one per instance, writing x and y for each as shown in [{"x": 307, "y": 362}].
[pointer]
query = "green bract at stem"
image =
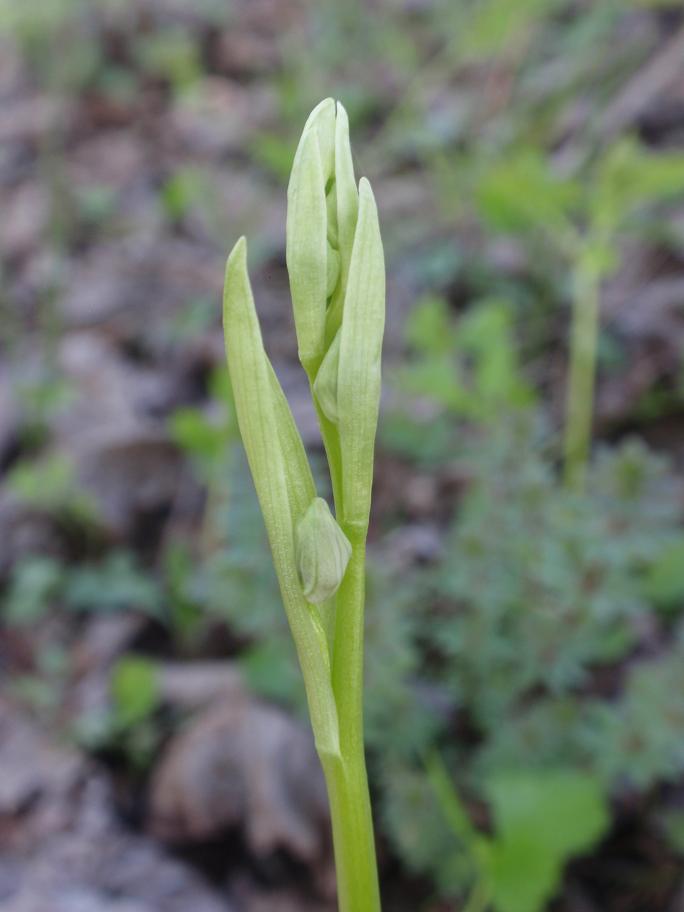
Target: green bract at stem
[
  {"x": 283, "y": 482},
  {"x": 323, "y": 553},
  {"x": 337, "y": 281}
]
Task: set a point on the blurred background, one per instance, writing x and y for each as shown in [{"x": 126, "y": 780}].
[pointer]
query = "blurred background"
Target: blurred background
[{"x": 525, "y": 658}]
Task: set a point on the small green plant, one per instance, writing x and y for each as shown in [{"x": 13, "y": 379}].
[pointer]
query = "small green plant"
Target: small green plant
[
  {"x": 472, "y": 370},
  {"x": 134, "y": 690},
  {"x": 468, "y": 370},
  {"x": 170, "y": 54},
  {"x": 337, "y": 282},
  {"x": 580, "y": 220},
  {"x": 541, "y": 820},
  {"x": 49, "y": 484},
  {"x": 34, "y": 583},
  {"x": 626, "y": 178},
  {"x": 117, "y": 583},
  {"x": 129, "y": 726}
]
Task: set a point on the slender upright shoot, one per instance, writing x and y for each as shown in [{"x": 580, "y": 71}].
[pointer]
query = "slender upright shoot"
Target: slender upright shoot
[
  {"x": 582, "y": 373},
  {"x": 337, "y": 282}
]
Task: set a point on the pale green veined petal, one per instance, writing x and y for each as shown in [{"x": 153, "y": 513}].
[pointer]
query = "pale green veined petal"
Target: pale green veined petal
[
  {"x": 307, "y": 249},
  {"x": 358, "y": 385},
  {"x": 346, "y": 212},
  {"x": 322, "y": 120},
  {"x": 345, "y": 186}
]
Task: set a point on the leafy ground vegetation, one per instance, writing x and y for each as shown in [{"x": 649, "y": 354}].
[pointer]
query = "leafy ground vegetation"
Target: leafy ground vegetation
[{"x": 525, "y": 658}]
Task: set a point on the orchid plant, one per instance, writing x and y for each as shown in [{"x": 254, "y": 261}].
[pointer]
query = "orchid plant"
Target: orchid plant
[{"x": 337, "y": 282}]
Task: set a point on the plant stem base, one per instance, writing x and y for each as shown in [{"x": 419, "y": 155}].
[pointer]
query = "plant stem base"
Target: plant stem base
[{"x": 357, "y": 878}]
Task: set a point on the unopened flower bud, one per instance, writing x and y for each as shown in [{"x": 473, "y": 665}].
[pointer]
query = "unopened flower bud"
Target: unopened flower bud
[
  {"x": 321, "y": 217},
  {"x": 323, "y": 552}
]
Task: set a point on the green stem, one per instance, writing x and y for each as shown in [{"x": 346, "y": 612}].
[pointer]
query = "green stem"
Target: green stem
[
  {"x": 357, "y": 877},
  {"x": 478, "y": 901},
  {"x": 581, "y": 380},
  {"x": 330, "y": 435}
]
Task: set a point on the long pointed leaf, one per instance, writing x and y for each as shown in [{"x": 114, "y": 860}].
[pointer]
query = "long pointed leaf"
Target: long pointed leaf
[{"x": 270, "y": 438}]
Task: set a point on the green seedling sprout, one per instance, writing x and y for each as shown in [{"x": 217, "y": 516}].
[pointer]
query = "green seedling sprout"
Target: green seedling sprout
[{"x": 337, "y": 282}]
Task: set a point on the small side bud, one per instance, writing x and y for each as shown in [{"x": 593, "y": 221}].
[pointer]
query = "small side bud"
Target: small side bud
[{"x": 323, "y": 552}]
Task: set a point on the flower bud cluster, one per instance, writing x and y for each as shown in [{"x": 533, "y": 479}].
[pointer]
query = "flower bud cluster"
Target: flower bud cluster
[{"x": 337, "y": 282}]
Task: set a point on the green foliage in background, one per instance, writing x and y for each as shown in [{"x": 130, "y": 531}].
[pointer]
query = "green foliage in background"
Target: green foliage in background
[
  {"x": 540, "y": 820},
  {"x": 134, "y": 690},
  {"x": 38, "y": 585},
  {"x": 545, "y": 584},
  {"x": 469, "y": 371},
  {"x": 128, "y": 727},
  {"x": 541, "y": 653},
  {"x": 538, "y": 589},
  {"x": 50, "y": 485},
  {"x": 472, "y": 372}
]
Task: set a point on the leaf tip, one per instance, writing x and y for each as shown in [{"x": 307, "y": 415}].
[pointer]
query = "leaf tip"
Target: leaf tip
[
  {"x": 239, "y": 249},
  {"x": 365, "y": 190},
  {"x": 236, "y": 283}
]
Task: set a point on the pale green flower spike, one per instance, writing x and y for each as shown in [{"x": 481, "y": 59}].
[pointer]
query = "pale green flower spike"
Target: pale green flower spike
[
  {"x": 337, "y": 282},
  {"x": 323, "y": 552}
]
